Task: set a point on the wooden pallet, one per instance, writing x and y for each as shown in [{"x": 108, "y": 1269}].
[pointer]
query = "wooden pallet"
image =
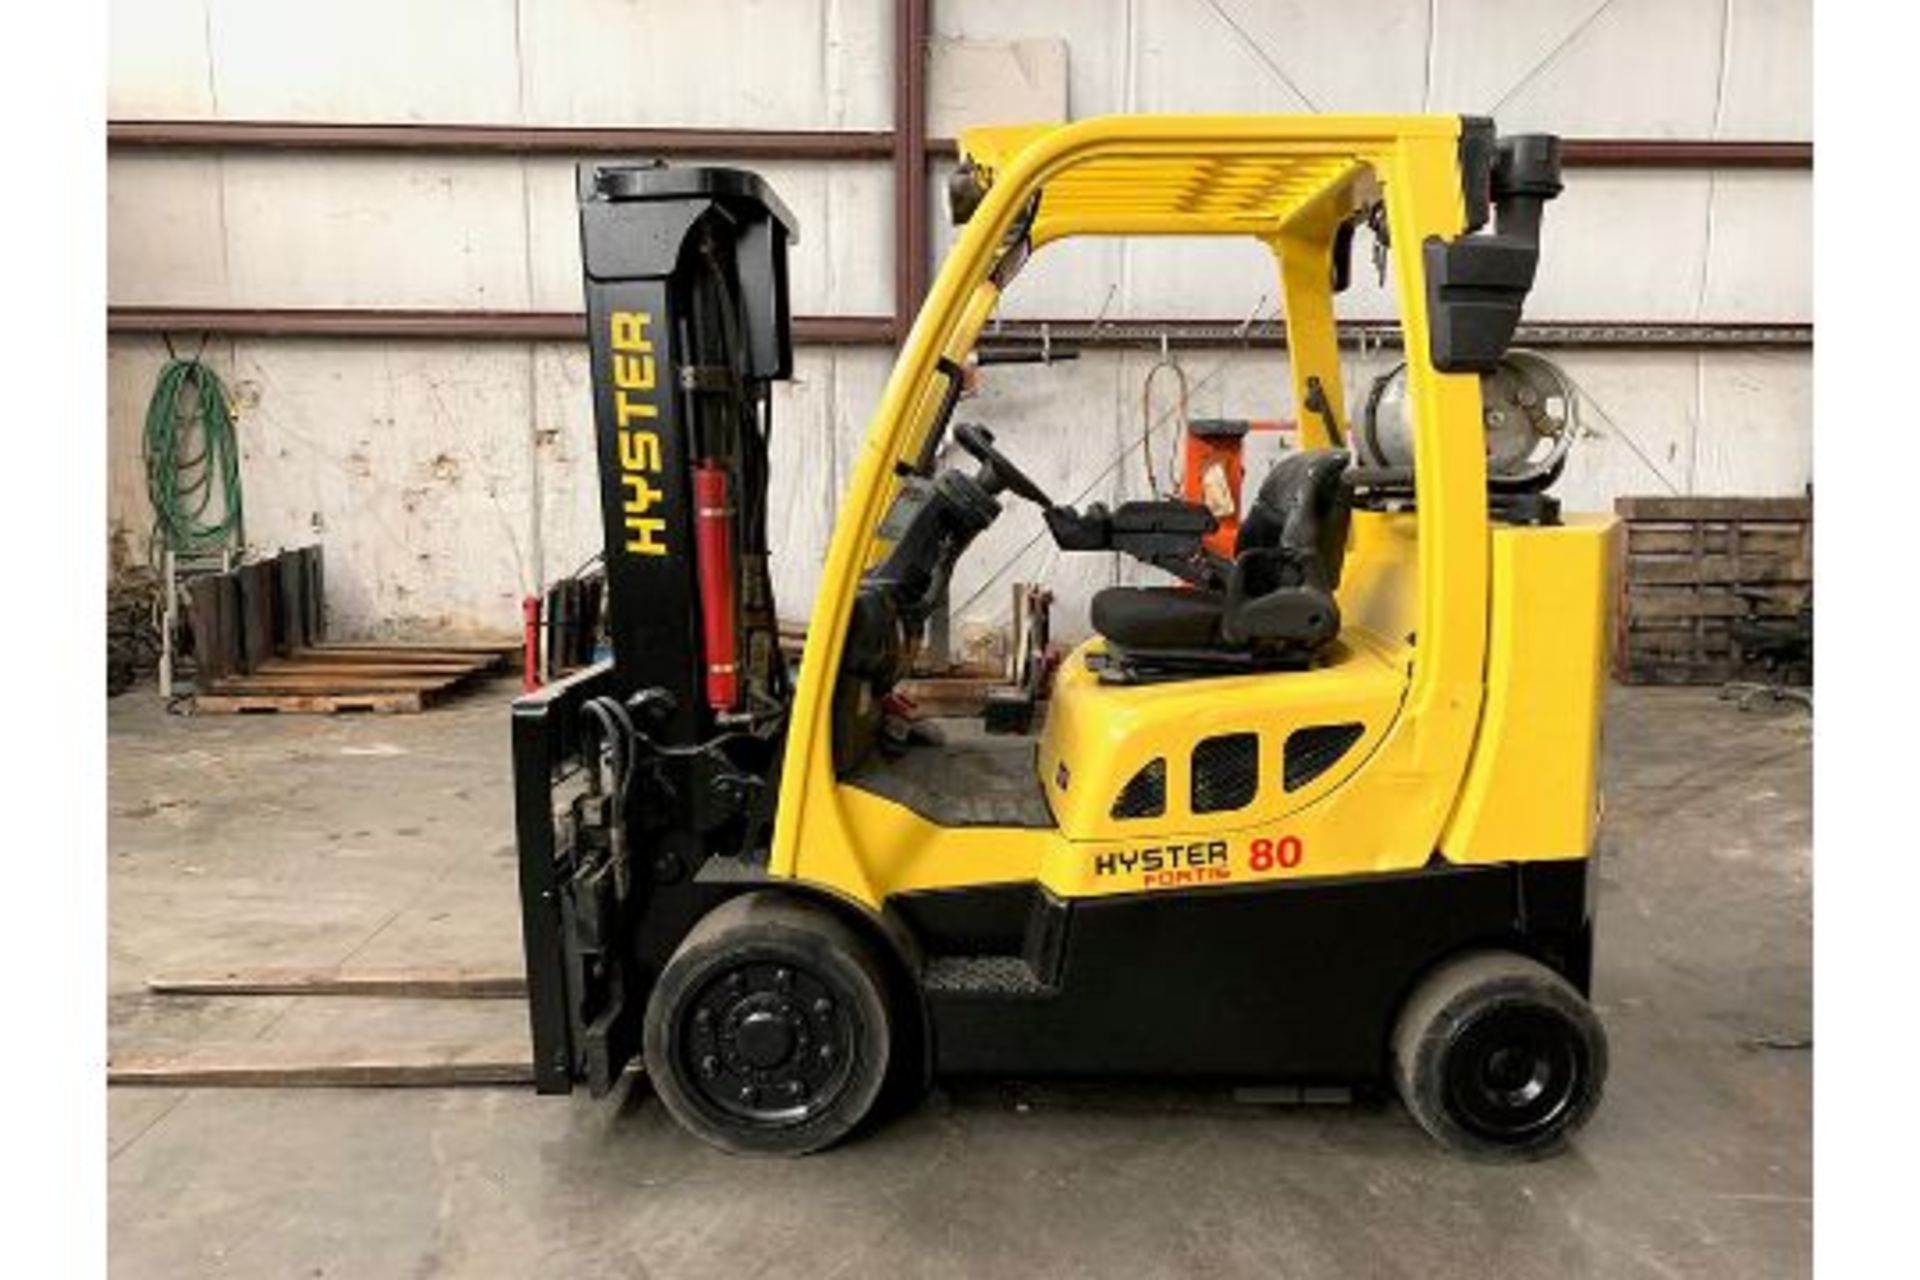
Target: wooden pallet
[
  {"x": 260, "y": 645},
  {"x": 1681, "y": 565},
  {"x": 376, "y": 680}
]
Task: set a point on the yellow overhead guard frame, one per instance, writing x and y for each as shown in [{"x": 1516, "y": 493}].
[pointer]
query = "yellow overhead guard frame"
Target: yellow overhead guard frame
[{"x": 1471, "y": 749}]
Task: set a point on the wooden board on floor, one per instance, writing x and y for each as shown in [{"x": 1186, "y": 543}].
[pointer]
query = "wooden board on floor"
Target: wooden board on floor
[
  {"x": 222, "y": 704},
  {"x": 390, "y": 657},
  {"x": 269, "y": 1065},
  {"x": 285, "y": 682},
  {"x": 963, "y": 696},
  {"x": 450, "y": 982},
  {"x": 495, "y": 654},
  {"x": 363, "y": 670}
]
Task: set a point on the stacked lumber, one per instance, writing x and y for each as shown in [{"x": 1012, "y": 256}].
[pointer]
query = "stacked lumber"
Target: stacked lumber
[
  {"x": 1688, "y": 567},
  {"x": 260, "y": 646}
]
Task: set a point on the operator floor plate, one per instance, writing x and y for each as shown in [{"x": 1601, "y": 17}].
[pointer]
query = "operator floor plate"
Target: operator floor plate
[{"x": 969, "y": 780}]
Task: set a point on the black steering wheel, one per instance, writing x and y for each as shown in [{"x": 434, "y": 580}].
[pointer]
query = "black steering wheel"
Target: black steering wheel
[{"x": 999, "y": 473}]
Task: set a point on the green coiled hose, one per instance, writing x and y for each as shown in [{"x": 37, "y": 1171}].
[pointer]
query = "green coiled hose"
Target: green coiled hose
[{"x": 193, "y": 461}]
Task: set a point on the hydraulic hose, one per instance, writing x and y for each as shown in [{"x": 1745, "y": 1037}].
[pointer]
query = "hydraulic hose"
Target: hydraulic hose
[{"x": 193, "y": 461}]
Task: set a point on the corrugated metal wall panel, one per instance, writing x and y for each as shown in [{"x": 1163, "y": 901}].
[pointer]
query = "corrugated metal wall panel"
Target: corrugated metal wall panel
[{"x": 415, "y": 535}]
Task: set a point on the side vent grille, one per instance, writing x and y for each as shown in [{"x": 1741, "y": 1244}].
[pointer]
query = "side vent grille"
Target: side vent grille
[
  {"x": 1226, "y": 772},
  {"x": 1311, "y": 752},
  {"x": 1145, "y": 795}
]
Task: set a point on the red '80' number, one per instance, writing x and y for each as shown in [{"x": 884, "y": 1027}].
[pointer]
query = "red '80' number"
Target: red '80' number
[{"x": 1284, "y": 853}]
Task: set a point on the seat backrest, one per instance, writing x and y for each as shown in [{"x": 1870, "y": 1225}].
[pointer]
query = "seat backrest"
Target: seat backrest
[{"x": 1303, "y": 511}]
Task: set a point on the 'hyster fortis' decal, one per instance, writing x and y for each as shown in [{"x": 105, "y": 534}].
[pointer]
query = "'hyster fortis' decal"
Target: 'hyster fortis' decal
[
  {"x": 1167, "y": 866},
  {"x": 1196, "y": 863}
]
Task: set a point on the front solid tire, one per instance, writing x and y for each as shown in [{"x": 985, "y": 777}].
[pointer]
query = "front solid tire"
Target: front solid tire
[
  {"x": 768, "y": 1031},
  {"x": 1498, "y": 1056}
]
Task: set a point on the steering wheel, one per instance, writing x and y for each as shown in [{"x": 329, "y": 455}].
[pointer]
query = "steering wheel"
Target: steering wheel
[{"x": 999, "y": 473}]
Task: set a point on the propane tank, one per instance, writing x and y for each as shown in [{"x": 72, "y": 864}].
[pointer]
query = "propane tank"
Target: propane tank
[{"x": 1529, "y": 411}]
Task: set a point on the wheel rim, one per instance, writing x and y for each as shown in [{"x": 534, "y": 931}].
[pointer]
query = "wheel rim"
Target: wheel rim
[
  {"x": 767, "y": 1043},
  {"x": 1515, "y": 1072}
]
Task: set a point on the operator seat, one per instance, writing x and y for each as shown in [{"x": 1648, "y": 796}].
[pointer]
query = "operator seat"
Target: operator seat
[{"x": 1278, "y": 606}]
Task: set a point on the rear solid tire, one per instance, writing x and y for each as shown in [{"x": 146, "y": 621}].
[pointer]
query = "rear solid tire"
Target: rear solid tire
[
  {"x": 1498, "y": 1056},
  {"x": 768, "y": 1031}
]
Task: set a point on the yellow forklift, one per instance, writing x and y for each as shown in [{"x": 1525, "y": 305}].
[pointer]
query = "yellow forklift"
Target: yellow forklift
[{"x": 1318, "y": 812}]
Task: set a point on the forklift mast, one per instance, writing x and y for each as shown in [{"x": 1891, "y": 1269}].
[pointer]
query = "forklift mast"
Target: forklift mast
[
  {"x": 635, "y": 774},
  {"x": 687, "y": 315}
]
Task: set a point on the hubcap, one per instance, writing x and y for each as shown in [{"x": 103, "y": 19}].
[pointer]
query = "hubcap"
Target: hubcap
[
  {"x": 765, "y": 1038},
  {"x": 1514, "y": 1075},
  {"x": 766, "y": 1042},
  {"x": 1514, "y": 1072}
]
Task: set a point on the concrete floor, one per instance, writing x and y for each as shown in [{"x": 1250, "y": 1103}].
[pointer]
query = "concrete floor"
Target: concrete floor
[{"x": 386, "y": 841}]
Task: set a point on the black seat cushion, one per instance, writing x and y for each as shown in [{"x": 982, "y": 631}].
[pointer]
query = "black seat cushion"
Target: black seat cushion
[{"x": 1159, "y": 617}]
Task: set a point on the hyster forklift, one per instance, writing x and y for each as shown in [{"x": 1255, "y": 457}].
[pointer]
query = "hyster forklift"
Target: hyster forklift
[{"x": 1316, "y": 813}]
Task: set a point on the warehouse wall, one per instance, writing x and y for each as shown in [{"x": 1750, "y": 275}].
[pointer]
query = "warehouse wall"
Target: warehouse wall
[{"x": 419, "y": 462}]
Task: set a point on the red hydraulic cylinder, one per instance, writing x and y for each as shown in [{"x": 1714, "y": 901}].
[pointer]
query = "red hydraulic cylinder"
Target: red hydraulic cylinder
[
  {"x": 713, "y": 557},
  {"x": 530, "y": 643}
]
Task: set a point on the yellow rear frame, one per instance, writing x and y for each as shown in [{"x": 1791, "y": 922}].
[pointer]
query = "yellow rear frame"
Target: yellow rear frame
[{"x": 1481, "y": 708}]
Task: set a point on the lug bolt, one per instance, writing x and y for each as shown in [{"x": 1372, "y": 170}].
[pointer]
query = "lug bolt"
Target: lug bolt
[
  {"x": 710, "y": 1066},
  {"x": 823, "y": 1006},
  {"x": 783, "y": 978},
  {"x": 749, "y": 1094}
]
